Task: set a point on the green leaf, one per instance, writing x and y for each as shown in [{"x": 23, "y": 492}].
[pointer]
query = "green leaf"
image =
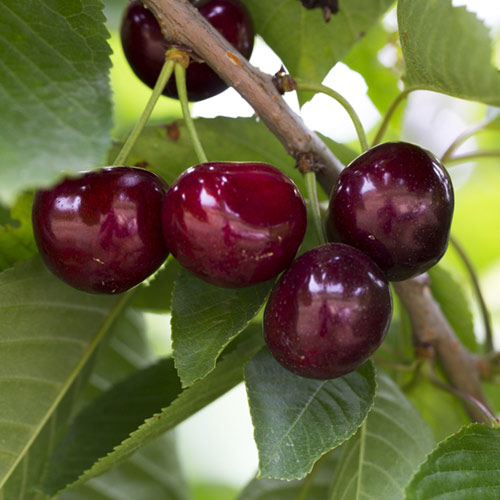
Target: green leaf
[
  {"x": 109, "y": 420},
  {"x": 447, "y": 49},
  {"x": 156, "y": 294},
  {"x": 297, "y": 420},
  {"x": 393, "y": 441},
  {"x": 49, "y": 332},
  {"x": 463, "y": 467},
  {"x": 227, "y": 374},
  {"x": 224, "y": 139},
  {"x": 317, "y": 484},
  {"x": 205, "y": 318},
  {"x": 307, "y": 45},
  {"x": 16, "y": 237},
  {"x": 56, "y": 107},
  {"x": 454, "y": 304},
  {"x": 151, "y": 473}
]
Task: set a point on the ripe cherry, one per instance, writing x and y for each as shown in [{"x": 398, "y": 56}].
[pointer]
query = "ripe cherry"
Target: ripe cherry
[
  {"x": 101, "y": 232},
  {"x": 395, "y": 203},
  {"x": 234, "y": 224},
  {"x": 328, "y": 313},
  {"x": 144, "y": 44}
]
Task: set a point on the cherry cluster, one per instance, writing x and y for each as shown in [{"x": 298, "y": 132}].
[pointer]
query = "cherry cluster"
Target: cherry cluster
[{"x": 235, "y": 224}]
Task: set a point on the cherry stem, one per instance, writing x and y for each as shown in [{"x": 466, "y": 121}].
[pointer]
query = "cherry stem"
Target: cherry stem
[
  {"x": 477, "y": 292},
  {"x": 389, "y": 114},
  {"x": 472, "y": 156},
  {"x": 469, "y": 132},
  {"x": 180, "y": 82},
  {"x": 312, "y": 194},
  {"x": 303, "y": 85},
  {"x": 466, "y": 397},
  {"x": 163, "y": 77}
]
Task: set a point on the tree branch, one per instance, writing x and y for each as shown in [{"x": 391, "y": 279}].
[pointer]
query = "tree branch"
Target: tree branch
[{"x": 182, "y": 23}]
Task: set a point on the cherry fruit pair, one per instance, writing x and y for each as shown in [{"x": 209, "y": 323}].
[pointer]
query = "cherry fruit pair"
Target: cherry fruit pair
[{"x": 232, "y": 224}]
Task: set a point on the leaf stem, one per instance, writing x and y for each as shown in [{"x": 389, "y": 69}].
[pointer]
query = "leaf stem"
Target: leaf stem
[
  {"x": 472, "y": 156},
  {"x": 320, "y": 88},
  {"x": 312, "y": 194},
  {"x": 477, "y": 292},
  {"x": 469, "y": 132},
  {"x": 180, "y": 82},
  {"x": 389, "y": 114},
  {"x": 163, "y": 77}
]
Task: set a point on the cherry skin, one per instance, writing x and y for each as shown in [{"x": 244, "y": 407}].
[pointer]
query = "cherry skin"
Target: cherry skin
[
  {"x": 328, "y": 313},
  {"x": 101, "y": 232},
  {"x": 234, "y": 224},
  {"x": 395, "y": 203},
  {"x": 144, "y": 44}
]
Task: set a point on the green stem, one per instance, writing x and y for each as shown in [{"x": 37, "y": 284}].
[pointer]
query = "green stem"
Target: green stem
[
  {"x": 477, "y": 127},
  {"x": 472, "y": 156},
  {"x": 162, "y": 80},
  {"x": 180, "y": 82},
  {"x": 389, "y": 114},
  {"x": 312, "y": 194},
  {"x": 318, "y": 87},
  {"x": 477, "y": 292}
]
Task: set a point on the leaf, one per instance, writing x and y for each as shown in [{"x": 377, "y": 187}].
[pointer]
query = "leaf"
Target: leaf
[
  {"x": 156, "y": 294},
  {"x": 307, "y": 45},
  {"x": 109, "y": 420},
  {"x": 47, "y": 336},
  {"x": 386, "y": 451},
  {"x": 275, "y": 489},
  {"x": 16, "y": 237},
  {"x": 463, "y": 467},
  {"x": 205, "y": 318},
  {"x": 297, "y": 420},
  {"x": 56, "y": 107},
  {"x": 227, "y": 374},
  {"x": 224, "y": 139},
  {"x": 151, "y": 473},
  {"x": 454, "y": 304},
  {"x": 448, "y": 50}
]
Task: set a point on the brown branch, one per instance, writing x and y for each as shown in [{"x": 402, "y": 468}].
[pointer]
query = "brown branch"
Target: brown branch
[
  {"x": 182, "y": 22},
  {"x": 185, "y": 25},
  {"x": 431, "y": 327}
]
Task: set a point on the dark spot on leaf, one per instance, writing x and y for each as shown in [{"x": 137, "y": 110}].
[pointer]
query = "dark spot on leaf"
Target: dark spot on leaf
[{"x": 173, "y": 131}]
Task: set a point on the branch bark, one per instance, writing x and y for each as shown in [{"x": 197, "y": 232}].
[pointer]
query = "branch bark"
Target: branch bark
[{"x": 182, "y": 23}]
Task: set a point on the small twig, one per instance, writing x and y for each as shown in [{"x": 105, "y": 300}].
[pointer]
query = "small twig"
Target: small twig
[
  {"x": 303, "y": 85},
  {"x": 474, "y": 155},
  {"x": 485, "y": 314},
  {"x": 469, "y": 132},
  {"x": 431, "y": 327},
  {"x": 389, "y": 114}
]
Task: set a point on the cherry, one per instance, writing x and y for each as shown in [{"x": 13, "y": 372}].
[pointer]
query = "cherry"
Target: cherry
[
  {"x": 144, "y": 44},
  {"x": 395, "y": 203},
  {"x": 101, "y": 232},
  {"x": 328, "y": 313},
  {"x": 234, "y": 224}
]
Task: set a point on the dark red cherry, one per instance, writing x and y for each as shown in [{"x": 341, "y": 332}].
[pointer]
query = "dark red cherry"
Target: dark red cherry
[
  {"x": 101, "y": 232},
  {"x": 395, "y": 203},
  {"x": 234, "y": 224},
  {"x": 144, "y": 44},
  {"x": 328, "y": 313}
]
